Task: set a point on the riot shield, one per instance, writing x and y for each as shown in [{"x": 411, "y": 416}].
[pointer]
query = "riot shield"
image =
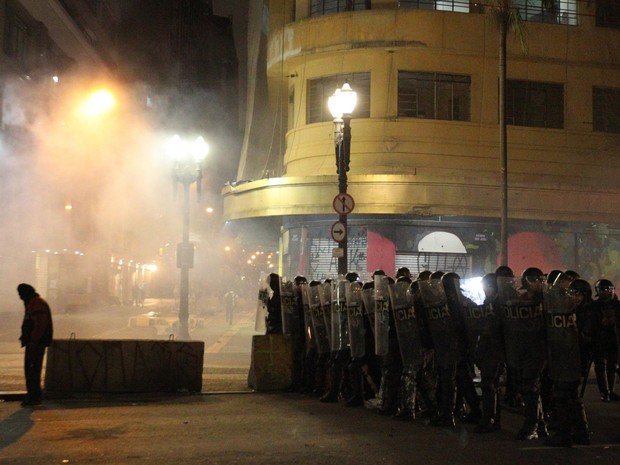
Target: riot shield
[
  {"x": 407, "y": 329},
  {"x": 308, "y": 327},
  {"x": 482, "y": 324},
  {"x": 355, "y": 319},
  {"x": 288, "y": 300},
  {"x": 523, "y": 323},
  {"x": 261, "y": 304},
  {"x": 318, "y": 320},
  {"x": 441, "y": 326},
  {"x": 339, "y": 325},
  {"x": 382, "y": 314},
  {"x": 368, "y": 299},
  {"x": 325, "y": 294},
  {"x": 562, "y": 335}
]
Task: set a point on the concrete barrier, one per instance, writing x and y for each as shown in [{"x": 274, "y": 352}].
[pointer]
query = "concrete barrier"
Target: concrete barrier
[
  {"x": 80, "y": 365},
  {"x": 271, "y": 367}
]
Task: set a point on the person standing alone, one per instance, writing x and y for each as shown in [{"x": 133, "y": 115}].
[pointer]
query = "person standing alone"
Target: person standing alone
[{"x": 37, "y": 333}]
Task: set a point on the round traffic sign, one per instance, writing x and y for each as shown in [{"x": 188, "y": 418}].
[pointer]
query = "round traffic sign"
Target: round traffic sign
[
  {"x": 339, "y": 231},
  {"x": 344, "y": 203}
]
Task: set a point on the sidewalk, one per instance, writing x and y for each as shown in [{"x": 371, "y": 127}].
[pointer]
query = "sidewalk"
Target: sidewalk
[{"x": 268, "y": 428}]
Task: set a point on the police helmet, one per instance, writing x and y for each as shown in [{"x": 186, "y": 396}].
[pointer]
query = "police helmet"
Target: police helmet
[
  {"x": 581, "y": 286},
  {"x": 553, "y": 275},
  {"x": 504, "y": 271},
  {"x": 352, "y": 276},
  {"x": 603, "y": 285},
  {"x": 450, "y": 283},
  {"x": 531, "y": 275},
  {"x": 436, "y": 275},
  {"x": 424, "y": 275}
]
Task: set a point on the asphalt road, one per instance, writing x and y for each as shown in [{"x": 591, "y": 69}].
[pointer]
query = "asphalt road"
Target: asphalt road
[{"x": 272, "y": 429}]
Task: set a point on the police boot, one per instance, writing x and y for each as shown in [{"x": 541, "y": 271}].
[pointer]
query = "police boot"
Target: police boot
[
  {"x": 389, "y": 382},
  {"x": 446, "y": 404},
  {"x": 601, "y": 381},
  {"x": 471, "y": 397},
  {"x": 406, "y": 398},
  {"x": 611, "y": 382},
  {"x": 356, "y": 398},
  {"x": 529, "y": 430},
  {"x": 562, "y": 437},
  {"x": 426, "y": 390},
  {"x": 490, "y": 412},
  {"x": 320, "y": 377},
  {"x": 333, "y": 385},
  {"x": 581, "y": 435}
]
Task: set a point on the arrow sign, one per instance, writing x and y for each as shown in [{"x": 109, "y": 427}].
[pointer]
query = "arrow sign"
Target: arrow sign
[
  {"x": 339, "y": 231},
  {"x": 343, "y": 203}
]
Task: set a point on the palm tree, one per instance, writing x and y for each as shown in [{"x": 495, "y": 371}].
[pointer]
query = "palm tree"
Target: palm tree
[{"x": 508, "y": 17}]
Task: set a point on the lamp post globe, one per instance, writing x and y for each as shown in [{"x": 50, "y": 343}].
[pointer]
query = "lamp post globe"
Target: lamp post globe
[{"x": 188, "y": 157}]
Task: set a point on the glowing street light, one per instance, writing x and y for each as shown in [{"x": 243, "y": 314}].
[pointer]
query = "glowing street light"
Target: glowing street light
[
  {"x": 188, "y": 157},
  {"x": 98, "y": 103},
  {"x": 341, "y": 105}
]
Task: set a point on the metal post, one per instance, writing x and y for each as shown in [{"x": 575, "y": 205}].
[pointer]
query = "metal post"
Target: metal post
[
  {"x": 343, "y": 148},
  {"x": 184, "y": 284}
]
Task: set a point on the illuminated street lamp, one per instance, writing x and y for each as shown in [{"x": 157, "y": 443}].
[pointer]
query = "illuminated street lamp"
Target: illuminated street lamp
[
  {"x": 97, "y": 103},
  {"x": 188, "y": 158},
  {"x": 341, "y": 106}
]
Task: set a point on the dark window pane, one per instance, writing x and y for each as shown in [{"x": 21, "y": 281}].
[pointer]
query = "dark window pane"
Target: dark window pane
[
  {"x": 326, "y": 7},
  {"x": 608, "y": 14},
  {"x": 606, "y": 109},
  {"x": 434, "y": 96},
  {"x": 534, "y": 104}
]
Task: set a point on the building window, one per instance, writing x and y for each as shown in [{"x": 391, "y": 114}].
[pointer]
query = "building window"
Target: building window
[
  {"x": 461, "y": 6},
  {"x": 15, "y": 36},
  {"x": 327, "y": 7},
  {"x": 434, "y": 96},
  {"x": 608, "y": 14},
  {"x": 606, "y": 109},
  {"x": 562, "y": 11},
  {"x": 535, "y": 104},
  {"x": 319, "y": 90}
]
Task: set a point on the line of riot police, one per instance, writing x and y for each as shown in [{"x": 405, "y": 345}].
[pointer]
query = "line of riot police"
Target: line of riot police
[{"x": 411, "y": 347}]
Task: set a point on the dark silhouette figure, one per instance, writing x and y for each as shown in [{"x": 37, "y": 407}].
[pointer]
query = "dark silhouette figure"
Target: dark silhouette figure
[{"x": 37, "y": 333}]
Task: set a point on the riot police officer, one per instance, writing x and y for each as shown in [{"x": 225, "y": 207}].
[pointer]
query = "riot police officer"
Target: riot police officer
[
  {"x": 565, "y": 366},
  {"x": 442, "y": 326},
  {"x": 465, "y": 388},
  {"x": 488, "y": 353},
  {"x": 606, "y": 320},
  {"x": 523, "y": 324}
]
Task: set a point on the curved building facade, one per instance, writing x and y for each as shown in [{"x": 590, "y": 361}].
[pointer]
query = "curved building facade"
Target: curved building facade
[{"x": 425, "y": 149}]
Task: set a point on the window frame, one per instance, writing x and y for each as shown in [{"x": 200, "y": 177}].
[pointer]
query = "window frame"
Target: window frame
[
  {"x": 520, "y": 112},
  {"x": 439, "y": 81},
  {"x": 606, "y": 109}
]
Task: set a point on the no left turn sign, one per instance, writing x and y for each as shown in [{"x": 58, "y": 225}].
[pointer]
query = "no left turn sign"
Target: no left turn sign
[{"x": 343, "y": 203}]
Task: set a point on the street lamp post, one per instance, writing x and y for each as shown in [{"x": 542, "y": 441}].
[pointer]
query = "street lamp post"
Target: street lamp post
[
  {"x": 341, "y": 106},
  {"x": 188, "y": 159}
]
